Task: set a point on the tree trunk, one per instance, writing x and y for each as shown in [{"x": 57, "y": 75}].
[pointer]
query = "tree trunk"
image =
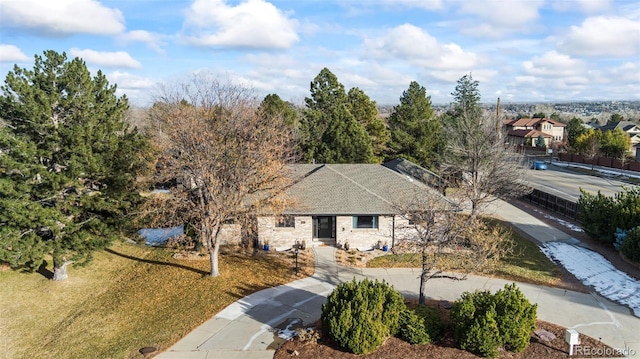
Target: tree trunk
[
  {"x": 214, "y": 249},
  {"x": 60, "y": 269},
  {"x": 423, "y": 279}
]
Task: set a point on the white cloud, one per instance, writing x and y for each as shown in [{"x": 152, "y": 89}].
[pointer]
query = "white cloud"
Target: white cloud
[
  {"x": 11, "y": 53},
  {"x": 153, "y": 40},
  {"x": 414, "y": 45},
  {"x": 62, "y": 17},
  {"x": 553, "y": 64},
  {"x": 126, "y": 81},
  {"x": 251, "y": 24},
  {"x": 499, "y": 17},
  {"x": 586, "y": 6},
  {"x": 420, "y": 4},
  {"x": 609, "y": 36},
  {"x": 107, "y": 59}
]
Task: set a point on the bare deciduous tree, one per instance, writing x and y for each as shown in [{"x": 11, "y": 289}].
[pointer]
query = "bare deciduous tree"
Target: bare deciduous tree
[
  {"x": 452, "y": 244},
  {"x": 226, "y": 160},
  {"x": 475, "y": 155}
]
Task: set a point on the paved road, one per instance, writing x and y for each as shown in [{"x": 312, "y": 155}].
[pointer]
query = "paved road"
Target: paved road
[
  {"x": 248, "y": 327},
  {"x": 565, "y": 183}
]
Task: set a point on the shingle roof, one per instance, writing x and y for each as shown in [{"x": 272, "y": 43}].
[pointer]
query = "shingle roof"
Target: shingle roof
[
  {"x": 526, "y": 122},
  {"x": 623, "y": 125},
  {"x": 528, "y": 133},
  {"x": 348, "y": 189}
]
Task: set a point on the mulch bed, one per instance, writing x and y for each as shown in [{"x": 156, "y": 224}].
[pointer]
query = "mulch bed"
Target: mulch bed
[{"x": 446, "y": 346}]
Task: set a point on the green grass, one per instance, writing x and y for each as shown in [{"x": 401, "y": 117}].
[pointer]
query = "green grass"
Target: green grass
[
  {"x": 526, "y": 263},
  {"x": 128, "y": 298}
]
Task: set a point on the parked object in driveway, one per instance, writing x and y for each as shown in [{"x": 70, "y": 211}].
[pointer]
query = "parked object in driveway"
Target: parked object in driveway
[{"x": 538, "y": 165}]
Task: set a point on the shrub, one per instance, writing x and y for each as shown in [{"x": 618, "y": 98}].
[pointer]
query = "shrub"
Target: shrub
[
  {"x": 516, "y": 317},
  {"x": 596, "y": 212},
  {"x": 432, "y": 322},
  {"x": 359, "y": 316},
  {"x": 601, "y": 215},
  {"x": 475, "y": 328},
  {"x": 412, "y": 328},
  {"x": 483, "y": 337},
  {"x": 484, "y": 322},
  {"x": 631, "y": 245}
]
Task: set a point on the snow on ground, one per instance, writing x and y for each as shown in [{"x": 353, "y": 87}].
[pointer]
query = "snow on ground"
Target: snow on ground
[
  {"x": 595, "y": 271},
  {"x": 571, "y": 226},
  {"x": 160, "y": 236}
]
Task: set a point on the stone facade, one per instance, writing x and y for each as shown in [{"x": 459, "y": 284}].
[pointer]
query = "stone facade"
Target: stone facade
[
  {"x": 361, "y": 238},
  {"x": 284, "y": 237}
]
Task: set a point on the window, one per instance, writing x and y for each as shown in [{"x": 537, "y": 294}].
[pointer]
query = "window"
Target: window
[
  {"x": 286, "y": 222},
  {"x": 365, "y": 221}
]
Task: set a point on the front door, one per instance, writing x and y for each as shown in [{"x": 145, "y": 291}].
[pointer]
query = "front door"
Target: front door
[{"x": 324, "y": 227}]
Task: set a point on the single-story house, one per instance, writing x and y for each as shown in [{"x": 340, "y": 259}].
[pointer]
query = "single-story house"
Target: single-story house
[{"x": 344, "y": 203}]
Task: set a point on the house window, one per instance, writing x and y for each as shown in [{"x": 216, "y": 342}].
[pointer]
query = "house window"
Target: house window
[
  {"x": 365, "y": 221},
  {"x": 285, "y": 222}
]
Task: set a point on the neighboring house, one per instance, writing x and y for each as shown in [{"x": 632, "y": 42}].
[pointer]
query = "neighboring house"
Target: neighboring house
[
  {"x": 338, "y": 203},
  {"x": 526, "y": 131},
  {"x": 627, "y": 126}
]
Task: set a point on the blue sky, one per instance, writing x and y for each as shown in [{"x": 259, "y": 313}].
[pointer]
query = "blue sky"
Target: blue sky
[{"x": 520, "y": 51}]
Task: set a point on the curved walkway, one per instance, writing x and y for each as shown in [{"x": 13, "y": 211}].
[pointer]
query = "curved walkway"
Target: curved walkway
[{"x": 248, "y": 328}]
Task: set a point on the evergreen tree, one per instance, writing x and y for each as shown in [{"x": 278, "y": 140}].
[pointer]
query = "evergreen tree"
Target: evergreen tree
[
  {"x": 320, "y": 140},
  {"x": 365, "y": 112},
  {"x": 69, "y": 164},
  {"x": 540, "y": 142},
  {"x": 415, "y": 134},
  {"x": 345, "y": 141},
  {"x": 575, "y": 127},
  {"x": 273, "y": 106}
]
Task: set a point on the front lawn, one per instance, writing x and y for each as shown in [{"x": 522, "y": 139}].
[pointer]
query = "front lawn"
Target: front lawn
[
  {"x": 526, "y": 263},
  {"x": 130, "y": 297}
]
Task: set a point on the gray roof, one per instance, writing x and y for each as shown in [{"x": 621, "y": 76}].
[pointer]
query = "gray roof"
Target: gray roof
[
  {"x": 623, "y": 125},
  {"x": 351, "y": 189},
  {"x": 422, "y": 174}
]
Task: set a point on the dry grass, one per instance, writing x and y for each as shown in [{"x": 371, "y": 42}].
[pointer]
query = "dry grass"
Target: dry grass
[{"x": 128, "y": 298}]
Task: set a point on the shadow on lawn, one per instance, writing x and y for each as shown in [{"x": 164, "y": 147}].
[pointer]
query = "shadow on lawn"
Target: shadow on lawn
[{"x": 199, "y": 271}]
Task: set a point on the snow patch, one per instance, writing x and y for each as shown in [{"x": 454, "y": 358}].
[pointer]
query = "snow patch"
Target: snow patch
[
  {"x": 562, "y": 222},
  {"x": 595, "y": 271},
  {"x": 289, "y": 332}
]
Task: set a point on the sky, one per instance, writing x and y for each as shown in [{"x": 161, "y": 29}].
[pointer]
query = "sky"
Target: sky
[{"x": 518, "y": 50}]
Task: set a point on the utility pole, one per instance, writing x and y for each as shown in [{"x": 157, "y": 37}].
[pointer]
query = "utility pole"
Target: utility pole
[{"x": 498, "y": 122}]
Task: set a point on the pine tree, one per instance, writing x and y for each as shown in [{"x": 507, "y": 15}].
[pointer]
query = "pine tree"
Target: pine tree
[
  {"x": 273, "y": 106},
  {"x": 345, "y": 141},
  {"x": 415, "y": 134},
  {"x": 69, "y": 163},
  {"x": 365, "y": 112},
  {"x": 327, "y": 124}
]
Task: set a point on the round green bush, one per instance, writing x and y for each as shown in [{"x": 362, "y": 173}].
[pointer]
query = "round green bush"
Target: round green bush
[
  {"x": 412, "y": 328},
  {"x": 516, "y": 317},
  {"x": 475, "y": 328},
  {"x": 484, "y": 322},
  {"x": 631, "y": 245},
  {"x": 432, "y": 322},
  {"x": 359, "y": 316}
]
